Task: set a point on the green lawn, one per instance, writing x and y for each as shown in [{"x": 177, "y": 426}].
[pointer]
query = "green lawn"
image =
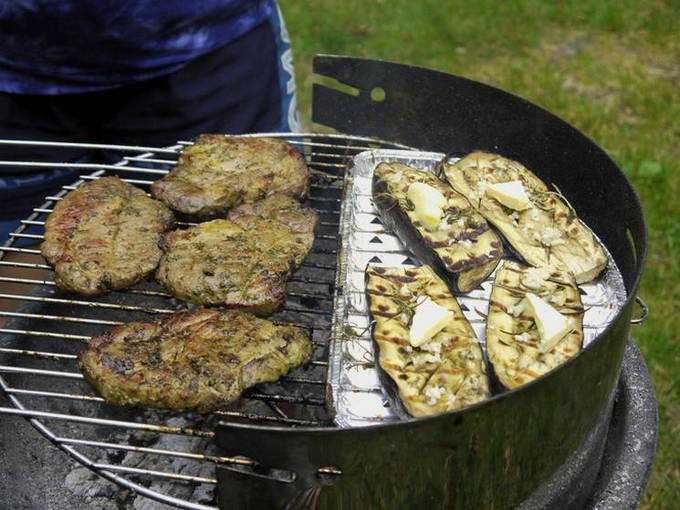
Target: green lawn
[{"x": 610, "y": 68}]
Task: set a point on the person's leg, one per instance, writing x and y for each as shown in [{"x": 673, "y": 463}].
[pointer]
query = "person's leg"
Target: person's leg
[{"x": 290, "y": 117}]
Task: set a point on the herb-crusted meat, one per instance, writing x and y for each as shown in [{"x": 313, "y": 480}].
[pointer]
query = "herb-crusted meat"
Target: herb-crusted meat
[
  {"x": 201, "y": 360},
  {"x": 104, "y": 236},
  {"x": 219, "y": 172},
  {"x": 243, "y": 261}
]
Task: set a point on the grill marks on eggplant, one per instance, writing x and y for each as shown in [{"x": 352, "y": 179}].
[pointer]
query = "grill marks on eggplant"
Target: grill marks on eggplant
[
  {"x": 219, "y": 172},
  {"x": 240, "y": 262},
  {"x": 191, "y": 361},
  {"x": 512, "y": 339},
  {"x": 463, "y": 249},
  {"x": 546, "y": 234},
  {"x": 445, "y": 373},
  {"x": 104, "y": 236}
]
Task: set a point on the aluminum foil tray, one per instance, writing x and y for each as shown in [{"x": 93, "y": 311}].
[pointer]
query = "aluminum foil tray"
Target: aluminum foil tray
[{"x": 356, "y": 392}]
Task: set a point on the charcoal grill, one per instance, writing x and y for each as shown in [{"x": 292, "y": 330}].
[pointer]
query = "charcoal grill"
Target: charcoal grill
[{"x": 279, "y": 446}]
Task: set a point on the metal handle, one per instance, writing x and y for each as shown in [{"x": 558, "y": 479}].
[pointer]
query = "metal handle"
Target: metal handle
[{"x": 645, "y": 311}]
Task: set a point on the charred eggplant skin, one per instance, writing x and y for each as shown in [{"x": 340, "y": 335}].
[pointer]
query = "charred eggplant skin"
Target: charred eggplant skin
[
  {"x": 396, "y": 219},
  {"x": 461, "y": 276}
]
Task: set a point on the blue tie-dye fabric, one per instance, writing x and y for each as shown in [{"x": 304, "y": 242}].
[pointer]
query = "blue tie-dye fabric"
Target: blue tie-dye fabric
[{"x": 70, "y": 46}]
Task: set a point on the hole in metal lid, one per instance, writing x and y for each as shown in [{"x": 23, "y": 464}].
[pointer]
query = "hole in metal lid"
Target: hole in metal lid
[{"x": 378, "y": 94}]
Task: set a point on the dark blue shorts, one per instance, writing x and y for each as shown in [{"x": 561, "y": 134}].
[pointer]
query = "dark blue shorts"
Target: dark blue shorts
[{"x": 245, "y": 86}]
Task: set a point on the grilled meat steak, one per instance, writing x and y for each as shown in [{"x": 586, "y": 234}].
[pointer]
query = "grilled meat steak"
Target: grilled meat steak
[
  {"x": 461, "y": 247},
  {"x": 241, "y": 262},
  {"x": 104, "y": 236},
  {"x": 201, "y": 360},
  {"x": 219, "y": 172},
  {"x": 545, "y": 232},
  {"x": 443, "y": 373},
  {"x": 513, "y": 339}
]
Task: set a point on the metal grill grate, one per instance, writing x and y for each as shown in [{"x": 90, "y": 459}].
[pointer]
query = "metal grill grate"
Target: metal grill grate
[{"x": 139, "y": 448}]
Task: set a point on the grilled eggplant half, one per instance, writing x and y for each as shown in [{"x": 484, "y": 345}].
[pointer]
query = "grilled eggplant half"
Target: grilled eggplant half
[
  {"x": 460, "y": 246},
  {"x": 517, "y": 351},
  {"x": 545, "y": 232},
  {"x": 444, "y": 372}
]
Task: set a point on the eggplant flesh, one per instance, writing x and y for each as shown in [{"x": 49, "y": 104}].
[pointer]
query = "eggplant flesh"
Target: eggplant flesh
[
  {"x": 463, "y": 249},
  {"x": 446, "y": 372},
  {"x": 512, "y": 339},
  {"x": 547, "y": 233}
]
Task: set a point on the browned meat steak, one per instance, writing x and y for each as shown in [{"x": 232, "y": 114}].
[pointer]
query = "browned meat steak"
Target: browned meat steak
[
  {"x": 219, "y": 172},
  {"x": 201, "y": 360},
  {"x": 241, "y": 262},
  {"x": 300, "y": 221},
  {"x": 104, "y": 236}
]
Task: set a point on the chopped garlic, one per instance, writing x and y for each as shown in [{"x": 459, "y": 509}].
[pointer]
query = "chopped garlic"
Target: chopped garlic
[
  {"x": 404, "y": 291},
  {"x": 551, "y": 237},
  {"x": 535, "y": 277},
  {"x": 523, "y": 337},
  {"x": 433, "y": 347},
  {"x": 434, "y": 393},
  {"x": 524, "y": 361},
  {"x": 465, "y": 243},
  {"x": 422, "y": 358},
  {"x": 516, "y": 310},
  {"x": 557, "y": 299}
]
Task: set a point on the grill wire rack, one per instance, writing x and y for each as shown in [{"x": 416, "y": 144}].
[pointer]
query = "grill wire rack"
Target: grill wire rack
[{"x": 166, "y": 456}]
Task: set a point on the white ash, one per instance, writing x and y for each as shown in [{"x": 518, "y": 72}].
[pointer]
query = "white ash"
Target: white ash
[{"x": 104, "y": 495}]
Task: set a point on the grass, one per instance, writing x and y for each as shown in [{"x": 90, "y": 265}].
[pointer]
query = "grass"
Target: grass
[{"x": 610, "y": 68}]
